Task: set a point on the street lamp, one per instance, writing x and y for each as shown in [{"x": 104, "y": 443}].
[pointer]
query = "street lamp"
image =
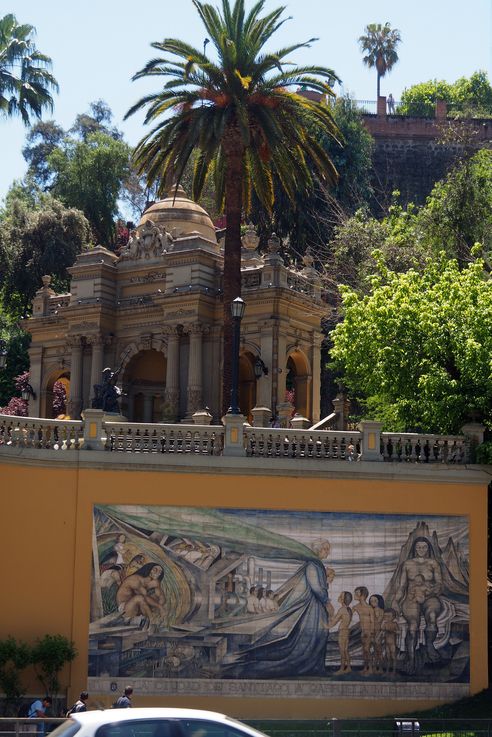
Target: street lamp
[
  {"x": 28, "y": 392},
  {"x": 259, "y": 368},
  {"x": 237, "y": 310},
  {"x": 3, "y": 353}
]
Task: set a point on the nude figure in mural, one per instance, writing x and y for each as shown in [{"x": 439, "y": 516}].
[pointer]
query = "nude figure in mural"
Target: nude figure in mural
[
  {"x": 377, "y": 603},
  {"x": 390, "y": 630},
  {"x": 418, "y": 595},
  {"x": 140, "y": 594},
  {"x": 343, "y": 617},
  {"x": 366, "y": 619}
]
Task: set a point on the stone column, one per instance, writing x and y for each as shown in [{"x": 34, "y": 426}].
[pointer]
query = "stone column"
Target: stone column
[
  {"x": 148, "y": 407},
  {"x": 97, "y": 342},
  {"x": 74, "y": 404},
  {"x": 171, "y": 393},
  {"x": 195, "y": 399}
]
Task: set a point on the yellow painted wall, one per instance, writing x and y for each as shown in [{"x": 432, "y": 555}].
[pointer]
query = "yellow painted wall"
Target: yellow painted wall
[{"x": 46, "y": 542}]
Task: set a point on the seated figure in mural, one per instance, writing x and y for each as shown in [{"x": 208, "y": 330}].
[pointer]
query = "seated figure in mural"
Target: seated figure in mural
[
  {"x": 419, "y": 594},
  {"x": 141, "y": 593}
]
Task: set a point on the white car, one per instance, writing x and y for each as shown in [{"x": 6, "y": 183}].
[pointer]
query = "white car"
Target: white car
[{"x": 153, "y": 722}]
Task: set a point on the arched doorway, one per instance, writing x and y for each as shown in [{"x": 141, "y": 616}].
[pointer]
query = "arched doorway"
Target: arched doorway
[
  {"x": 247, "y": 384},
  {"x": 56, "y": 394},
  {"x": 298, "y": 383},
  {"x": 144, "y": 382}
]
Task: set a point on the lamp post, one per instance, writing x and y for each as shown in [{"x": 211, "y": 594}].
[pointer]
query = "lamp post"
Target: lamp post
[
  {"x": 237, "y": 309},
  {"x": 28, "y": 392}
]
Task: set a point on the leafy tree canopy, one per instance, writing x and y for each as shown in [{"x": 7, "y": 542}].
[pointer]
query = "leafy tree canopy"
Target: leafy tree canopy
[
  {"x": 456, "y": 215},
  {"x": 416, "y": 349},
  {"x": 467, "y": 97},
  {"x": 37, "y": 241},
  {"x": 89, "y": 175}
]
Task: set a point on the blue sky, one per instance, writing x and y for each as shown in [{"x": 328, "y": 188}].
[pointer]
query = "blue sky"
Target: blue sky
[{"x": 97, "y": 46}]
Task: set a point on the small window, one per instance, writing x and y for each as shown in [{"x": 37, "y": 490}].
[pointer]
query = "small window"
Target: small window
[{"x": 138, "y": 728}]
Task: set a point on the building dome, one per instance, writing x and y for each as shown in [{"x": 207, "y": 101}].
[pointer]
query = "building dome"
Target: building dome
[{"x": 177, "y": 212}]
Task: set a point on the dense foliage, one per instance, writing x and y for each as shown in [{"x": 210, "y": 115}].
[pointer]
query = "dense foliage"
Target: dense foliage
[
  {"x": 310, "y": 220},
  {"x": 37, "y": 240},
  {"x": 467, "y": 97},
  {"x": 416, "y": 349},
  {"x": 26, "y": 82}
]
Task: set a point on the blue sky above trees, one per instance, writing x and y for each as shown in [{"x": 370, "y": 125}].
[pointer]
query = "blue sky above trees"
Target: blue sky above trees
[{"x": 97, "y": 46}]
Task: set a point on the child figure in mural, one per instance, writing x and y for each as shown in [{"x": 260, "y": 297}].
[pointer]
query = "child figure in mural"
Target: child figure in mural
[
  {"x": 377, "y": 603},
  {"x": 366, "y": 619},
  {"x": 390, "y": 630},
  {"x": 343, "y": 617}
]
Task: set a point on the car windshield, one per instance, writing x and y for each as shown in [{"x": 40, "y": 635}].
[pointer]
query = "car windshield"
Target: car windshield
[{"x": 66, "y": 729}]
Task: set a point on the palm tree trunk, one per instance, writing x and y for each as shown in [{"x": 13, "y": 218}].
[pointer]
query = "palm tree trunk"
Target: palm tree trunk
[
  {"x": 379, "y": 86},
  {"x": 234, "y": 153}
]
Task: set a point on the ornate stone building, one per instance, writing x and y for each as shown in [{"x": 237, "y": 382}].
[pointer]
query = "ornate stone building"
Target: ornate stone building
[{"x": 155, "y": 312}]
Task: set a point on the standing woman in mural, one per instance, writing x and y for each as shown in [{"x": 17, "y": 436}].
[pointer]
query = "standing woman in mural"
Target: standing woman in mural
[
  {"x": 141, "y": 593},
  {"x": 418, "y": 594}
]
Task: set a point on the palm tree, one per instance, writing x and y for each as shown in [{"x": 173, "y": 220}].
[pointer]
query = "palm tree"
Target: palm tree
[
  {"x": 239, "y": 111},
  {"x": 25, "y": 80},
  {"x": 380, "y": 44}
]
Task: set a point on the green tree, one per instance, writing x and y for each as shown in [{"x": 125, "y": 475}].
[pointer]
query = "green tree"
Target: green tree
[
  {"x": 379, "y": 46},
  {"x": 416, "y": 349},
  {"x": 420, "y": 99},
  {"x": 466, "y": 98},
  {"x": 42, "y": 139},
  {"x": 14, "y": 657},
  {"x": 38, "y": 241},
  {"x": 458, "y": 212},
  {"x": 49, "y": 655},
  {"x": 89, "y": 175},
  {"x": 26, "y": 82},
  {"x": 239, "y": 112}
]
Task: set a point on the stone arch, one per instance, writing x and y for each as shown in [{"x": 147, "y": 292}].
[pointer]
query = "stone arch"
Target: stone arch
[
  {"x": 247, "y": 383},
  {"x": 54, "y": 373},
  {"x": 299, "y": 379},
  {"x": 143, "y": 381}
]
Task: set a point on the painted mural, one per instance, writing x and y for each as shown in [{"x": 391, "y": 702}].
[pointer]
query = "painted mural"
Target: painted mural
[{"x": 183, "y": 593}]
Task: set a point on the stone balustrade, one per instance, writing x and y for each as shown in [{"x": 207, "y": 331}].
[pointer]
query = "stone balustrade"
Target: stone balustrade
[
  {"x": 41, "y": 433},
  {"x": 133, "y": 437},
  {"x": 321, "y": 444},
  {"x": 235, "y": 438},
  {"x": 416, "y": 448}
]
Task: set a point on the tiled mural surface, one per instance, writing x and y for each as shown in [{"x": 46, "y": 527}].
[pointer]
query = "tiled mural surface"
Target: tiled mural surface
[{"x": 280, "y": 603}]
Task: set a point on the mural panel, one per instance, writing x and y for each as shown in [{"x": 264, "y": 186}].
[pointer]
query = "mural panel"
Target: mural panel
[{"x": 235, "y": 594}]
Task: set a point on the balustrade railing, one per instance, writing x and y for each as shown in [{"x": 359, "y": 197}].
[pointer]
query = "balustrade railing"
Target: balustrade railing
[
  {"x": 96, "y": 433},
  {"x": 284, "y": 443},
  {"x": 35, "y": 432},
  {"x": 416, "y": 448},
  {"x": 130, "y": 437}
]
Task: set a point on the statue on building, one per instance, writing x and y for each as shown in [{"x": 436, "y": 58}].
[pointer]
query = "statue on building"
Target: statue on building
[
  {"x": 146, "y": 242},
  {"x": 107, "y": 394}
]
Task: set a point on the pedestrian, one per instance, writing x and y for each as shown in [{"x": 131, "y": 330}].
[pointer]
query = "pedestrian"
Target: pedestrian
[
  {"x": 124, "y": 701},
  {"x": 391, "y": 104},
  {"x": 38, "y": 709},
  {"x": 80, "y": 704}
]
